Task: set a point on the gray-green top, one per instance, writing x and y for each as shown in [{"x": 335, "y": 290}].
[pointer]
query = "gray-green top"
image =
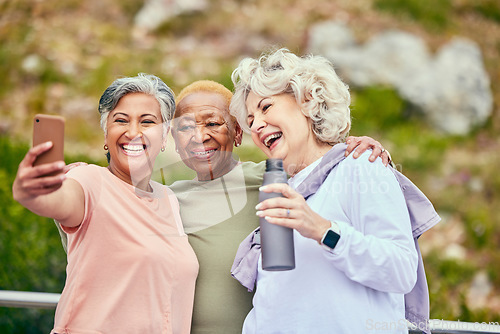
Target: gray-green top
[{"x": 217, "y": 215}]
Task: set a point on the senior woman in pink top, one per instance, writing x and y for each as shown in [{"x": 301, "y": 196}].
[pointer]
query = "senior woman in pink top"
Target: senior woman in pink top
[{"x": 130, "y": 267}]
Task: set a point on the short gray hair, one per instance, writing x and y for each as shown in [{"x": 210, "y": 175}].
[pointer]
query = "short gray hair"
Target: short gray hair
[
  {"x": 312, "y": 80},
  {"x": 142, "y": 83}
]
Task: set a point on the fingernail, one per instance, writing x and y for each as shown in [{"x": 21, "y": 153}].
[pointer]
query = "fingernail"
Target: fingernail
[
  {"x": 258, "y": 206},
  {"x": 355, "y": 154},
  {"x": 262, "y": 188},
  {"x": 60, "y": 165},
  {"x": 259, "y": 213}
]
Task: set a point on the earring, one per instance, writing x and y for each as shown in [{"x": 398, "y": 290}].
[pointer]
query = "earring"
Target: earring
[
  {"x": 236, "y": 144},
  {"x": 162, "y": 149},
  {"x": 105, "y": 147}
]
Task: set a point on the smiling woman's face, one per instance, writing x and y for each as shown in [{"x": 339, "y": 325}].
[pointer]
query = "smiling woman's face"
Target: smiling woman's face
[
  {"x": 282, "y": 131},
  {"x": 204, "y": 134},
  {"x": 134, "y": 136}
]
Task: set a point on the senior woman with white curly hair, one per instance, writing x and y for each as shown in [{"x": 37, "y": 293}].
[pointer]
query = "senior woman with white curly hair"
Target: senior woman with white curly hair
[{"x": 356, "y": 257}]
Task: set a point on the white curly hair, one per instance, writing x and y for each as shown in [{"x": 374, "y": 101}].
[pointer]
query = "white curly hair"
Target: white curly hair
[{"x": 312, "y": 80}]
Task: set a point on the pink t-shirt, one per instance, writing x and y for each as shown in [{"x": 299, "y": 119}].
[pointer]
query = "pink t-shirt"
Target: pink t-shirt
[{"x": 130, "y": 266}]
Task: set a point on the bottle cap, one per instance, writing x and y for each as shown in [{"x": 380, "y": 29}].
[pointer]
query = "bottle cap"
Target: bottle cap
[{"x": 274, "y": 165}]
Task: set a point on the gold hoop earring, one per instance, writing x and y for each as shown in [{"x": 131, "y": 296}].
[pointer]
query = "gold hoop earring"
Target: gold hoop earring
[{"x": 105, "y": 147}]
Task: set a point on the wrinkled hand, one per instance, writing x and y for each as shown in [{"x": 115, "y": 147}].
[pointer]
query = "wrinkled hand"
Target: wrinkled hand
[
  {"x": 292, "y": 211},
  {"x": 361, "y": 144},
  {"x": 30, "y": 181}
]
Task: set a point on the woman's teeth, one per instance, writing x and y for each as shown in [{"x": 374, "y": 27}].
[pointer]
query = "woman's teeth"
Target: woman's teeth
[
  {"x": 203, "y": 153},
  {"x": 133, "y": 149},
  {"x": 270, "y": 139}
]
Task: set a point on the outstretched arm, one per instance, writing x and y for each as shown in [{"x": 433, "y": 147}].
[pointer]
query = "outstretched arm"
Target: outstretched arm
[{"x": 50, "y": 196}]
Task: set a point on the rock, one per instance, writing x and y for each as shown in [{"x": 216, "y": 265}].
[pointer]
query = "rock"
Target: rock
[
  {"x": 393, "y": 56},
  {"x": 330, "y": 38},
  {"x": 455, "y": 251},
  {"x": 336, "y": 42},
  {"x": 453, "y": 92},
  {"x": 156, "y": 12},
  {"x": 387, "y": 58},
  {"x": 32, "y": 64},
  {"x": 451, "y": 89},
  {"x": 479, "y": 291}
]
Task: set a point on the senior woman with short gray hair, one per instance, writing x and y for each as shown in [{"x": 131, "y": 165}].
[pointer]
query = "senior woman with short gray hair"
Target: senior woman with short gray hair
[
  {"x": 355, "y": 253},
  {"x": 130, "y": 266}
]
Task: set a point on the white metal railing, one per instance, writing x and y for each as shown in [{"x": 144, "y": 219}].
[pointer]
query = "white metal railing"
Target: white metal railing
[
  {"x": 50, "y": 300},
  {"x": 28, "y": 299}
]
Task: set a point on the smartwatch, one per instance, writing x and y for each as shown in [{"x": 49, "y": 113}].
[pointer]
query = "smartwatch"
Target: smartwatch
[{"x": 331, "y": 237}]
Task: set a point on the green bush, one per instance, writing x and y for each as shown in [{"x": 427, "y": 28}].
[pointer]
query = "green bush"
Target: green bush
[
  {"x": 31, "y": 252},
  {"x": 433, "y": 14},
  {"x": 383, "y": 115},
  {"x": 447, "y": 279},
  {"x": 489, "y": 9}
]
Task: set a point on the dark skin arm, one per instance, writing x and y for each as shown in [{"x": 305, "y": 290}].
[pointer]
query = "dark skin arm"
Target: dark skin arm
[{"x": 361, "y": 144}]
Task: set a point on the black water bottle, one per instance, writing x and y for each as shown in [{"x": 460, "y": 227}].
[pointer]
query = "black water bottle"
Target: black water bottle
[{"x": 276, "y": 241}]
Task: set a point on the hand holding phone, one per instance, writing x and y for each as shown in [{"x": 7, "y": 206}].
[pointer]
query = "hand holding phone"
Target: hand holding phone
[{"x": 49, "y": 128}]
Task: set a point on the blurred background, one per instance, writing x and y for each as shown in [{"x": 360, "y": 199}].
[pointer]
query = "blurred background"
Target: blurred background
[{"x": 424, "y": 77}]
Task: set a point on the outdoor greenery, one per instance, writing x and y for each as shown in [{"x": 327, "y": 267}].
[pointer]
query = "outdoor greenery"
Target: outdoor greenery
[
  {"x": 31, "y": 252},
  {"x": 32, "y": 259},
  {"x": 58, "y": 56},
  {"x": 432, "y": 14}
]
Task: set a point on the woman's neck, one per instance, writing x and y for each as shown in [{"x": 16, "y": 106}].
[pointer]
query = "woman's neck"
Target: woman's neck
[
  {"x": 140, "y": 183},
  {"x": 314, "y": 154},
  {"x": 215, "y": 174}
]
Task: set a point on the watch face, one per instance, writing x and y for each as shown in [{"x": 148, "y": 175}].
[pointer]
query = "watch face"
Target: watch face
[{"x": 331, "y": 239}]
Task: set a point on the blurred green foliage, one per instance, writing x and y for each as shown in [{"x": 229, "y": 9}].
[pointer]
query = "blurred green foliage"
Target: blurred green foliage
[
  {"x": 30, "y": 248},
  {"x": 470, "y": 193},
  {"x": 433, "y": 14},
  {"x": 31, "y": 252},
  {"x": 380, "y": 113},
  {"x": 490, "y": 9},
  {"x": 452, "y": 277}
]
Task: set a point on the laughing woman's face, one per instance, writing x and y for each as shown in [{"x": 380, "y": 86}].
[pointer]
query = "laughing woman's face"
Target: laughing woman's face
[
  {"x": 281, "y": 130},
  {"x": 134, "y": 136},
  {"x": 204, "y": 134}
]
